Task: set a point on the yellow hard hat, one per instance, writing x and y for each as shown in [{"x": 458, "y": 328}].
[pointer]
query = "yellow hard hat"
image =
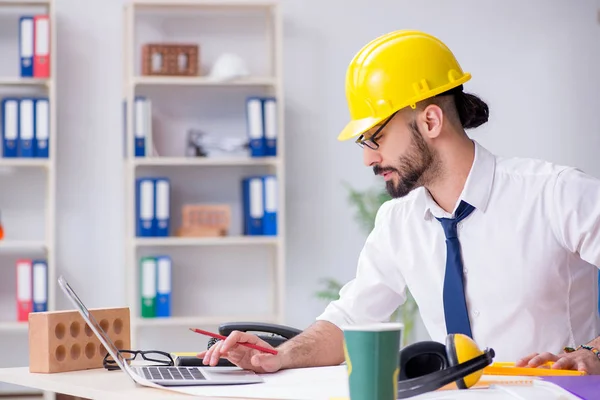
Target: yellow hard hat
[{"x": 394, "y": 71}]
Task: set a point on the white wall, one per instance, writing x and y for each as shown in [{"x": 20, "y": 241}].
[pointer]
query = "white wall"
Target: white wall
[{"x": 535, "y": 63}]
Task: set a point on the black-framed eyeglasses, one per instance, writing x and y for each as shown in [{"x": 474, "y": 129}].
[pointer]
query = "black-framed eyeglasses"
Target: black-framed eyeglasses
[
  {"x": 371, "y": 142},
  {"x": 158, "y": 358}
]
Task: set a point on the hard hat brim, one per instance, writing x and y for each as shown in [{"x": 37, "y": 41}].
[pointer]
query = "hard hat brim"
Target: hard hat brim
[{"x": 358, "y": 127}]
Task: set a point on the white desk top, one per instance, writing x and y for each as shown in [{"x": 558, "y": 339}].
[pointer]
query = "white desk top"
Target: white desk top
[{"x": 326, "y": 383}]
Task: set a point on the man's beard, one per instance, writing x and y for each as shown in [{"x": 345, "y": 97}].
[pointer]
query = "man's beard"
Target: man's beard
[{"x": 413, "y": 168}]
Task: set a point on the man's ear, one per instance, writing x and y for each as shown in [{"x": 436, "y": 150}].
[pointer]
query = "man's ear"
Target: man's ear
[{"x": 431, "y": 121}]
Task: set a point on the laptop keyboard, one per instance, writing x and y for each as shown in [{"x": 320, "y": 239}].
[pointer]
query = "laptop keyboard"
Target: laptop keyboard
[{"x": 173, "y": 373}]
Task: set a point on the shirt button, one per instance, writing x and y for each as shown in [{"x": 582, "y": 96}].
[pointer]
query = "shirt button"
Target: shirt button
[
  {"x": 466, "y": 271},
  {"x": 476, "y": 313}
]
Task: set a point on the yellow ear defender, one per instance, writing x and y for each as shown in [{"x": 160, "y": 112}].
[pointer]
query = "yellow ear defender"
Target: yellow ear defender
[{"x": 427, "y": 366}]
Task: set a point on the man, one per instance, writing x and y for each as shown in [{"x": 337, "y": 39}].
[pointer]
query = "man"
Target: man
[{"x": 503, "y": 250}]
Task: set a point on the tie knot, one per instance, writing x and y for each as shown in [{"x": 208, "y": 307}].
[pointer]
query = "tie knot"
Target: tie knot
[{"x": 449, "y": 224}]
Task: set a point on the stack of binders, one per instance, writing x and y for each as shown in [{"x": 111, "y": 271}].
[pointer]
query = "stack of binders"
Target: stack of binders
[
  {"x": 32, "y": 288},
  {"x": 155, "y": 284},
  {"x": 153, "y": 207},
  {"x": 34, "y": 46},
  {"x": 25, "y": 127},
  {"x": 260, "y": 205},
  {"x": 261, "y": 116}
]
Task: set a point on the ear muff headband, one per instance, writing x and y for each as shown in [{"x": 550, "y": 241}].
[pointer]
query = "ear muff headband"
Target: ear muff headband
[{"x": 435, "y": 380}]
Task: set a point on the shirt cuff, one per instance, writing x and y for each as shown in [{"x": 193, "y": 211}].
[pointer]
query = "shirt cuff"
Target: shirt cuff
[{"x": 334, "y": 314}]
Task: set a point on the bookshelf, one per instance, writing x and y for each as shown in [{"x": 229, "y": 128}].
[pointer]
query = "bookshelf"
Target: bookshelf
[
  {"x": 28, "y": 198},
  {"x": 249, "y": 269}
]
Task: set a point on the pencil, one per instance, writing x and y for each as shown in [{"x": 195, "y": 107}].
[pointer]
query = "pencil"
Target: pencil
[{"x": 217, "y": 336}]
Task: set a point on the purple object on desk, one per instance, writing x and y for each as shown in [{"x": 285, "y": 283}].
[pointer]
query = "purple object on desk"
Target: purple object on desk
[{"x": 587, "y": 387}]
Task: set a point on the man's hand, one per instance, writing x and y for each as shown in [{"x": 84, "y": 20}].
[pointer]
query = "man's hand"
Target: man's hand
[
  {"x": 242, "y": 356},
  {"x": 580, "y": 360}
]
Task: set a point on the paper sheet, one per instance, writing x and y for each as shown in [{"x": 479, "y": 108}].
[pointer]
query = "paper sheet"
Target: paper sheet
[{"x": 298, "y": 384}]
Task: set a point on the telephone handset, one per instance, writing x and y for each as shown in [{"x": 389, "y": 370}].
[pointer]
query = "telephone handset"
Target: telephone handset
[{"x": 273, "y": 334}]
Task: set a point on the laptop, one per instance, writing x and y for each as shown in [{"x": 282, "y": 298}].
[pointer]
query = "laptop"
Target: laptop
[{"x": 161, "y": 375}]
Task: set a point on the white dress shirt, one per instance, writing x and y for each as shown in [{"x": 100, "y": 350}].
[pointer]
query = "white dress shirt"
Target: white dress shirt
[{"x": 530, "y": 251}]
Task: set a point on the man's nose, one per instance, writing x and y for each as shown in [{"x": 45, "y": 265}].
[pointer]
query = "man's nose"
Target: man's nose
[{"x": 370, "y": 156}]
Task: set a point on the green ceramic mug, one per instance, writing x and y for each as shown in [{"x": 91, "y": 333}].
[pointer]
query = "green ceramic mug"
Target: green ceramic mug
[{"x": 372, "y": 354}]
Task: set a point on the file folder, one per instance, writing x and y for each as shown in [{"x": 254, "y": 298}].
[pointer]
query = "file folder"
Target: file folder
[
  {"x": 253, "y": 205},
  {"x": 139, "y": 122},
  {"x": 145, "y": 207},
  {"x": 10, "y": 127},
  {"x": 41, "y": 44},
  {"x": 255, "y": 126},
  {"x": 148, "y": 285},
  {"x": 163, "y": 212},
  {"x": 42, "y": 128},
  {"x": 149, "y": 148},
  {"x": 40, "y": 286},
  {"x": 164, "y": 286},
  {"x": 24, "y": 290},
  {"x": 270, "y": 197},
  {"x": 26, "y": 127},
  {"x": 26, "y": 46},
  {"x": 270, "y": 122}
]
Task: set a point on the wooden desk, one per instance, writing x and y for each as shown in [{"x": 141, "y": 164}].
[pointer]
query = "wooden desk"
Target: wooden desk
[
  {"x": 92, "y": 384},
  {"x": 324, "y": 383}
]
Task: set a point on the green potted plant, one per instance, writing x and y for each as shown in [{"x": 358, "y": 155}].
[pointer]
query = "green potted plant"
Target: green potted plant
[{"x": 366, "y": 204}]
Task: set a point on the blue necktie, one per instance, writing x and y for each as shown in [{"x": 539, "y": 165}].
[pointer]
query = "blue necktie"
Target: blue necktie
[{"x": 455, "y": 305}]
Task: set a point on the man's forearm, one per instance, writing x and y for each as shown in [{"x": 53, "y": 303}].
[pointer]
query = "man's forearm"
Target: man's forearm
[
  {"x": 595, "y": 343},
  {"x": 321, "y": 344}
]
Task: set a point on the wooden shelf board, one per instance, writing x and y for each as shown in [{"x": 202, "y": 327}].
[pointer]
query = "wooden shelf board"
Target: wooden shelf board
[
  {"x": 13, "y": 326},
  {"x": 190, "y": 322},
  {"x": 200, "y": 81},
  {"x": 209, "y": 241},
  {"x": 200, "y": 161},
  {"x": 210, "y": 4},
  {"x": 21, "y": 245},
  {"x": 25, "y": 162},
  {"x": 16, "y": 81}
]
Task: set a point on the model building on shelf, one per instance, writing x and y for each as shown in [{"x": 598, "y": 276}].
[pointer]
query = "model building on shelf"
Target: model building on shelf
[
  {"x": 170, "y": 59},
  {"x": 204, "y": 220}
]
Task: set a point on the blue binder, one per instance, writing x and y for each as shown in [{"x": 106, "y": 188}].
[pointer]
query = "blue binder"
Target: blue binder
[
  {"x": 145, "y": 209},
  {"x": 255, "y": 126},
  {"x": 26, "y": 127},
  {"x": 163, "y": 286},
  {"x": 270, "y": 124},
  {"x": 270, "y": 201},
  {"x": 40, "y": 286},
  {"x": 26, "y": 46},
  {"x": 42, "y": 128},
  {"x": 253, "y": 193},
  {"x": 10, "y": 127},
  {"x": 139, "y": 126},
  {"x": 162, "y": 194}
]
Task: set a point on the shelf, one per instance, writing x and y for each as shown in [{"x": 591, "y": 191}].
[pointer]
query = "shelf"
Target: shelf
[
  {"x": 13, "y": 326},
  {"x": 200, "y": 81},
  {"x": 25, "y": 162},
  {"x": 18, "y": 3},
  {"x": 21, "y": 245},
  {"x": 209, "y": 241},
  {"x": 212, "y": 4},
  {"x": 18, "y": 81},
  {"x": 199, "y": 161},
  {"x": 190, "y": 322}
]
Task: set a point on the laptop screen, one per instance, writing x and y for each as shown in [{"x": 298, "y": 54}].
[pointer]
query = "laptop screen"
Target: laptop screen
[{"x": 94, "y": 325}]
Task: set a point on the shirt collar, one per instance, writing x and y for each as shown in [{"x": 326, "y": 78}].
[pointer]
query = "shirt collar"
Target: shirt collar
[{"x": 477, "y": 186}]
